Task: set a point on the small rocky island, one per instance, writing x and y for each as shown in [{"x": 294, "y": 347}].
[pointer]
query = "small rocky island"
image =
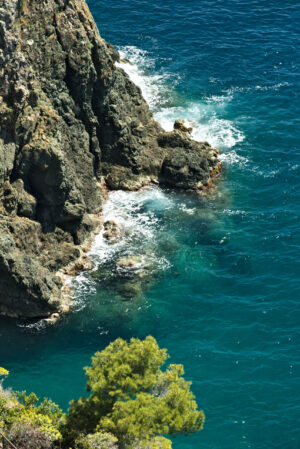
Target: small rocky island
[{"x": 72, "y": 127}]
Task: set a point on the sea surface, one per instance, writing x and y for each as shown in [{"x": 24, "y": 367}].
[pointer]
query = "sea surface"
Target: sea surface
[{"x": 218, "y": 277}]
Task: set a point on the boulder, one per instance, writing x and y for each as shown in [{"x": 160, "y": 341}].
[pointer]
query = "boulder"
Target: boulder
[
  {"x": 111, "y": 230},
  {"x": 180, "y": 126}
]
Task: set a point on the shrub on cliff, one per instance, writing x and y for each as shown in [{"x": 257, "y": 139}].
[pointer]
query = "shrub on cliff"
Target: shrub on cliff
[
  {"x": 97, "y": 440},
  {"x": 133, "y": 399},
  {"x": 27, "y": 423},
  {"x": 26, "y": 435}
]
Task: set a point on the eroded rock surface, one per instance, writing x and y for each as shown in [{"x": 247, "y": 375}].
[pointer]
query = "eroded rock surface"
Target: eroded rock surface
[{"x": 70, "y": 122}]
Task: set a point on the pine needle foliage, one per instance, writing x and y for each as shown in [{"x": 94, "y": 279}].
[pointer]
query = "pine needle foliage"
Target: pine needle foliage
[
  {"x": 133, "y": 403},
  {"x": 133, "y": 399}
]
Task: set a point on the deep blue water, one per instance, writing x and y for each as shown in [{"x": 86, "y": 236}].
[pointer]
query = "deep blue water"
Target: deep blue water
[{"x": 223, "y": 295}]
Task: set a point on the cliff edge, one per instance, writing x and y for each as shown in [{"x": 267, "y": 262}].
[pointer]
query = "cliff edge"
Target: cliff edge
[{"x": 71, "y": 122}]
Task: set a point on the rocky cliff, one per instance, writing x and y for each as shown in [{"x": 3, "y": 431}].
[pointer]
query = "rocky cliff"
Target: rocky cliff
[{"x": 71, "y": 122}]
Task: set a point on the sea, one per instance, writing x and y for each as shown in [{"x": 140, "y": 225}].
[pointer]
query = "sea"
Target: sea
[{"x": 217, "y": 277}]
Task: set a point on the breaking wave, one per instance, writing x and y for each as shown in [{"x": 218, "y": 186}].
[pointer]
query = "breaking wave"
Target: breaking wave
[{"x": 204, "y": 116}]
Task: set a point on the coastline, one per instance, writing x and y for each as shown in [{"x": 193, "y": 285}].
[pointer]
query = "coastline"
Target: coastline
[
  {"x": 224, "y": 291},
  {"x": 76, "y": 119},
  {"x": 84, "y": 262}
]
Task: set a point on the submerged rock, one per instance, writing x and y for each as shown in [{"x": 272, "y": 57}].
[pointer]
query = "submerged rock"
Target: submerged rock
[
  {"x": 130, "y": 289},
  {"x": 129, "y": 276},
  {"x": 129, "y": 262},
  {"x": 70, "y": 123}
]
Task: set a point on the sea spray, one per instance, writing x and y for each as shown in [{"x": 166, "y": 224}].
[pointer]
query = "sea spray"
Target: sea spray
[
  {"x": 140, "y": 229},
  {"x": 159, "y": 90}
]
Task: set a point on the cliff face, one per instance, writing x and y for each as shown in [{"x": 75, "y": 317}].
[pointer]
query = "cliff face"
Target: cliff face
[{"x": 70, "y": 122}]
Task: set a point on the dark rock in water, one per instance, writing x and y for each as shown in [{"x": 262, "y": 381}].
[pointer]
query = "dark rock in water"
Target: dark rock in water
[
  {"x": 70, "y": 121},
  {"x": 111, "y": 230},
  {"x": 130, "y": 289},
  {"x": 190, "y": 164},
  {"x": 180, "y": 126}
]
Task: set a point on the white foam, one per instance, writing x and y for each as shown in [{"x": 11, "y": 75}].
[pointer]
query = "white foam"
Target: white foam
[
  {"x": 139, "y": 228},
  {"x": 135, "y": 212},
  {"x": 221, "y": 99},
  {"x": 233, "y": 158},
  {"x": 36, "y": 326},
  {"x": 140, "y": 70},
  {"x": 272, "y": 87},
  {"x": 234, "y": 212},
  {"x": 206, "y": 124},
  {"x": 205, "y": 116},
  {"x": 188, "y": 210},
  {"x": 266, "y": 87}
]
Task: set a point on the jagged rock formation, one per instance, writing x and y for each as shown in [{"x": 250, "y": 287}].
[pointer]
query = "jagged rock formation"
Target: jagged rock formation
[{"x": 70, "y": 122}]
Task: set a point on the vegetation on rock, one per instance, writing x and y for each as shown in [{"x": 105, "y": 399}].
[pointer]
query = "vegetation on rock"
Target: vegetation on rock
[
  {"x": 28, "y": 423},
  {"x": 132, "y": 404}
]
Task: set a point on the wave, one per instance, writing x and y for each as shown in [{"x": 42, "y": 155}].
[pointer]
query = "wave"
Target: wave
[
  {"x": 137, "y": 213},
  {"x": 35, "y": 327},
  {"x": 204, "y": 116},
  {"x": 134, "y": 214},
  {"x": 207, "y": 126},
  {"x": 233, "y": 158},
  {"x": 232, "y": 90},
  {"x": 140, "y": 67}
]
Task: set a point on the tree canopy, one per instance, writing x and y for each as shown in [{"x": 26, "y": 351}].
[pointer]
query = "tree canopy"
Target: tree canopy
[
  {"x": 132, "y": 398},
  {"x": 132, "y": 404}
]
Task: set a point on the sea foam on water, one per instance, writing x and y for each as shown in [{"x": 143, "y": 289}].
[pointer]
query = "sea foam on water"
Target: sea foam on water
[{"x": 204, "y": 116}]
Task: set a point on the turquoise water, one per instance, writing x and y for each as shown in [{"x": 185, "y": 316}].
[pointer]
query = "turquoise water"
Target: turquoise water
[{"x": 221, "y": 290}]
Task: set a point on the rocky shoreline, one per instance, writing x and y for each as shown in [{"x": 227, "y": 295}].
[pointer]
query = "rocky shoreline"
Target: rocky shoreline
[{"x": 72, "y": 125}]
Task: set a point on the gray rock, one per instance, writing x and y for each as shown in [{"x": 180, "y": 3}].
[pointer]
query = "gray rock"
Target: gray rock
[{"x": 69, "y": 120}]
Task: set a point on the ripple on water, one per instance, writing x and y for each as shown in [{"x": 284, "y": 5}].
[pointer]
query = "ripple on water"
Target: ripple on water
[{"x": 226, "y": 300}]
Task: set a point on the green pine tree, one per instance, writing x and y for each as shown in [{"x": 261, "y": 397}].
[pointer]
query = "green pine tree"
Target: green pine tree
[{"x": 133, "y": 399}]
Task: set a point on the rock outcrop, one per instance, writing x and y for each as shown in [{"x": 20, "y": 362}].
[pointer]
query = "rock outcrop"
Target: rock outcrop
[{"x": 71, "y": 122}]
